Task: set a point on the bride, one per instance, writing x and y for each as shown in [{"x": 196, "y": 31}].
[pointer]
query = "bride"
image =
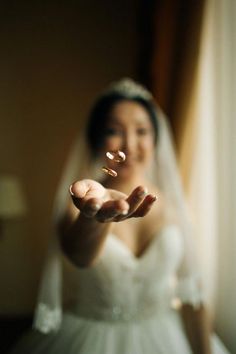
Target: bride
[{"x": 130, "y": 282}]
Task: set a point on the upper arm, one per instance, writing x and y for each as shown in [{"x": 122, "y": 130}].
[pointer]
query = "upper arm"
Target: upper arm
[{"x": 189, "y": 279}]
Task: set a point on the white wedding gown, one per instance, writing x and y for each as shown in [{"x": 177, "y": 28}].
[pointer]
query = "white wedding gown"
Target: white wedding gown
[{"x": 122, "y": 305}]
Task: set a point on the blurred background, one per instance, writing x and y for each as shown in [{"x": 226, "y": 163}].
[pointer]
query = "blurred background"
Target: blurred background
[{"x": 55, "y": 58}]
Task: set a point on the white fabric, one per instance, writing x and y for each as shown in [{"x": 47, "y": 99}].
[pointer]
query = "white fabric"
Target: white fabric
[{"x": 123, "y": 304}]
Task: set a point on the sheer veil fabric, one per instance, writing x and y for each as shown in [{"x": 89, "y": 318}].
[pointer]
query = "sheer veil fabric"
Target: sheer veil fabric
[{"x": 165, "y": 175}]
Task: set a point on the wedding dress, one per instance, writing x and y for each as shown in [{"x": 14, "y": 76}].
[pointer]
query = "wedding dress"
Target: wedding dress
[{"x": 124, "y": 304}]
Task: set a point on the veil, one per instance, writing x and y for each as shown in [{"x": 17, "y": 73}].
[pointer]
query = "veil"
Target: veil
[{"x": 165, "y": 175}]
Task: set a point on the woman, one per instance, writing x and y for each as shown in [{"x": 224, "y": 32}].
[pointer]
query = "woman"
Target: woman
[{"x": 134, "y": 284}]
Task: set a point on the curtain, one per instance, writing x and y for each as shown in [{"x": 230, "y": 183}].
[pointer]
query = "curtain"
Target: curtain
[
  {"x": 211, "y": 171},
  {"x": 188, "y": 62},
  {"x": 169, "y": 48}
]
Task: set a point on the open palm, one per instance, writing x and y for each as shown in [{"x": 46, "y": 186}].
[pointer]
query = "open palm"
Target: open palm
[{"x": 106, "y": 205}]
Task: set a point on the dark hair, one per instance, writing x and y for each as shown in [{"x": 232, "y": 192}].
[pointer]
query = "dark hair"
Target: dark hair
[{"x": 99, "y": 116}]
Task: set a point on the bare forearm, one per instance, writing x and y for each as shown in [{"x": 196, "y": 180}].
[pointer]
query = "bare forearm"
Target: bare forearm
[
  {"x": 90, "y": 214},
  {"x": 198, "y": 329},
  {"x": 82, "y": 240}
]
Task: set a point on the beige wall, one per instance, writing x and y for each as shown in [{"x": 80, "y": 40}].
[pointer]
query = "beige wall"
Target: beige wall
[{"x": 53, "y": 61}]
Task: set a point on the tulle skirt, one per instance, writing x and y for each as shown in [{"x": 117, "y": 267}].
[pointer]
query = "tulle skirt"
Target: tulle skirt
[{"x": 157, "y": 335}]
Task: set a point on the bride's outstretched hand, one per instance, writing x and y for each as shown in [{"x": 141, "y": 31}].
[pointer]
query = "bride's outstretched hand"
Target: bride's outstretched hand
[{"x": 106, "y": 205}]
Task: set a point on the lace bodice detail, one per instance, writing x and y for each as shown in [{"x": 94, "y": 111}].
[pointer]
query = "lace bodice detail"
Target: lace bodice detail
[{"x": 123, "y": 287}]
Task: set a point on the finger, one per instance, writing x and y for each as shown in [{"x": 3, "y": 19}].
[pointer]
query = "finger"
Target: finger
[
  {"x": 87, "y": 188},
  {"x": 90, "y": 207},
  {"x": 136, "y": 197},
  {"x": 79, "y": 189},
  {"x": 134, "y": 200},
  {"x": 78, "y": 202},
  {"x": 87, "y": 205},
  {"x": 111, "y": 209},
  {"x": 145, "y": 206}
]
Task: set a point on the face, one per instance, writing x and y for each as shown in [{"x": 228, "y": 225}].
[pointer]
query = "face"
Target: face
[{"x": 130, "y": 130}]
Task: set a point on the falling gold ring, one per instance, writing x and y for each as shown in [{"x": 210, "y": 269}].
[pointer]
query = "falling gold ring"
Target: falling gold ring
[
  {"x": 109, "y": 171},
  {"x": 117, "y": 156}
]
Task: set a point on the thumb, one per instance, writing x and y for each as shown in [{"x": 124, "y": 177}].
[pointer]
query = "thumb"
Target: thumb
[{"x": 79, "y": 189}]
